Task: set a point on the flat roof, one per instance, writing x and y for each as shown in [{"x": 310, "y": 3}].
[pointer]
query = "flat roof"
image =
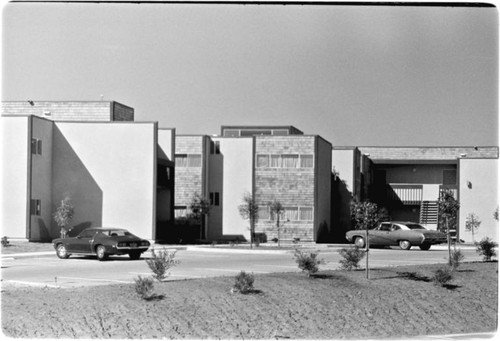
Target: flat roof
[{"x": 429, "y": 153}]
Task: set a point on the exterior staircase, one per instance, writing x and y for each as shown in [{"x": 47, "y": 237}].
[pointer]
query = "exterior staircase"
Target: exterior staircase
[{"x": 429, "y": 214}]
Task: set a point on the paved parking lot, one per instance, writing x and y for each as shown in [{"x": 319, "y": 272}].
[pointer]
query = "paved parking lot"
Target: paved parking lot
[{"x": 48, "y": 270}]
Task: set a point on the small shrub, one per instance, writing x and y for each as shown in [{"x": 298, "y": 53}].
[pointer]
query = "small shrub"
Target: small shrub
[
  {"x": 231, "y": 243},
  {"x": 308, "y": 262},
  {"x": 296, "y": 240},
  {"x": 442, "y": 276},
  {"x": 243, "y": 283},
  {"x": 486, "y": 248},
  {"x": 257, "y": 241},
  {"x": 275, "y": 240},
  {"x": 5, "y": 241},
  {"x": 144, "y": 286},
  {"x": 160, "y": 262},
  {"x": 352, "y": 256},
  {"x": 213, "y": 243},
  {"x": 456, "y": 257}
]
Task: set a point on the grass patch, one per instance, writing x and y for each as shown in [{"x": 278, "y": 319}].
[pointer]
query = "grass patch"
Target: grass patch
[{"x": 397, "y": 302}]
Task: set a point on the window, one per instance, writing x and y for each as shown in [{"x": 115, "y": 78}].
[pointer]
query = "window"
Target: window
[
  {"x": 275, "y": 161},
  {"x": 185, "y": 160},
  {"x": 214, "y": 198},
  {"x": 306, "y": 213},
  {"x": 290, "y": 160},
  {"x": 181, "y": 160},
  {"x": 214, "y": 147},
  {"x": 194, "y": 160},
  {"x": 180, "y": 211},
  {"x": 449, "y": 177},
  {"x": 36, "y": 207},
  {"x": 291, "y": 214},
  {"x": 36, "y": 146},
  {"x": 306, "y": 161},
  {"x": 262, "y": 160}
]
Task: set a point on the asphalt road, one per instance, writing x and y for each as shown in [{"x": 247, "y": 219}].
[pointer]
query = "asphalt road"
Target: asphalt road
[{"x": 50, "y": 271}]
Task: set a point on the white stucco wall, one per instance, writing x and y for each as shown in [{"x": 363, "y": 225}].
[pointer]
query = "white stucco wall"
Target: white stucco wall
[
  {"x": 343, "y": 164},
  {"x": 481, "y": 197},
  {"x": 108, "y": 169},
  {"x": 15, "y": 149},
  {"x": 230, "y": 173},
  {"x": 166, "y": 144}
]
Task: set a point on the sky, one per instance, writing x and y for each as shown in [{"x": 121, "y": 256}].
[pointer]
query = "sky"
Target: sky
[{"x": 355, "y": 75}]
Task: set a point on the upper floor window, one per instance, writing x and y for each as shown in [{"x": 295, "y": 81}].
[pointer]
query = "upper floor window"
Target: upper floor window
[
  {"x": 214, "y": 147},
  {"x": 214, "y": 198},
  {"x": 449, "y": 177},
  {"x": 285, "y": 161},
  {"x": 36, "y": 207},
  {"x": 36, "y": 146},
  {"x": 187, "y": 160}
]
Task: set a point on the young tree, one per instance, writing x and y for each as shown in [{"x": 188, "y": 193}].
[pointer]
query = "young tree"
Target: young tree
[
  {"x": 200, "y": 208},
  {"x": 277, "y": 211},
  {"x": 472, "y": 223},
  {"x": 365, "y": 215},
  {"x": 447, "y": 214},
  {"x": 63, "y": 216},
  {"x": 249, "y": 210}
]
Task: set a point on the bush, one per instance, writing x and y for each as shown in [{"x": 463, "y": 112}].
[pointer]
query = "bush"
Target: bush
[
  {"x": 160, "y": 263},
  {"x": 352, "y": 256},
  {"x": 486, "y": 248},
  {"x": 442, "y": 276},
  {"x": 144, "y": 287},
  {"x": 308, "y": 262},
  {"x": 5, "y": 241},
  {"x": 456, "y": 257},
  {"x": 243, "y": 283}
]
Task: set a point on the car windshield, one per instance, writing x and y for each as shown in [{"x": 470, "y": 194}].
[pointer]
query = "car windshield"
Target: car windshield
[{"x": 415, "y": 227}]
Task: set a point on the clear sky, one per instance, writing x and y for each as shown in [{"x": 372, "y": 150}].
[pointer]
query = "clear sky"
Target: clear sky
[{"x": 356, "y": 75}]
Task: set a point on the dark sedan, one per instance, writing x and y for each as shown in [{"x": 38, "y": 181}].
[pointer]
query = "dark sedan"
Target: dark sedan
[
  {"x": 101, "y": 242},
  {"x": 403, "y": 233}
]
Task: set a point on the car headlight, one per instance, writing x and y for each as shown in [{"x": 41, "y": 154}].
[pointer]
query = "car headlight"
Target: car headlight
[
  {"x": 144, "y": 243},
  {"x": 122, "y": 244}
]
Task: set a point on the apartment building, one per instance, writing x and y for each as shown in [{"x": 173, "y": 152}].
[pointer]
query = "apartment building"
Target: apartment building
[
  {"x": 269, "y": 162},
  {"x": 106, "y": 163},
  {"x": 408, "y": 181}
]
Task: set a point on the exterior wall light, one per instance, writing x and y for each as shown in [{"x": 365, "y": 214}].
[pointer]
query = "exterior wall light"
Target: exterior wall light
[{"x": 469, "y": 184}]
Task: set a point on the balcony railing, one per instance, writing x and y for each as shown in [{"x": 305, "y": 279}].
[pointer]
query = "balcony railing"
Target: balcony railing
[
  {"x": 452, "y": 188},
  {"x": 408, "y": 194}
]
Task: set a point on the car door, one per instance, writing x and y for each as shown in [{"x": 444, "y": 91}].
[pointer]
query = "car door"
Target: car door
[
  {"x": 380, "y": 235},
  {"x": 82, "y": 243}
]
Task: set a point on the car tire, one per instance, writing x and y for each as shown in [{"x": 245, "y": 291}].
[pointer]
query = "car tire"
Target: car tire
[
  {"x": 359, "y": 242},
  {"x": 404, "y": 244},
  {"x": 101, "y": 253},
  {"x": 62, "y": 252},
  {"x": 425, "y": 247},
  {"x": 134, "y": 255}
]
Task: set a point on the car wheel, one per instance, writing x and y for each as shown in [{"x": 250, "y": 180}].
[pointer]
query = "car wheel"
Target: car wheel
[
  {"x": 359, "y": 242},
  {"x": 101, "y": 252},
  {"x": 425, "y": 247},
  {"x": 62, "y": 252},
  {"x": 134, "y": 255},
  {"x": 404, "y": 244}
]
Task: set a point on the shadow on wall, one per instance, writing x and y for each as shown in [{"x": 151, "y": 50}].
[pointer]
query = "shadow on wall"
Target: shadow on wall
[
  {"x": 72, "y": 178},
  {"x": 341, "y": 211}
]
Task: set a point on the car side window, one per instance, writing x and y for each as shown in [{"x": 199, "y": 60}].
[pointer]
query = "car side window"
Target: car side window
[
  {"x": 395, "y": 228},
  {"x": 385, "y": 227}
]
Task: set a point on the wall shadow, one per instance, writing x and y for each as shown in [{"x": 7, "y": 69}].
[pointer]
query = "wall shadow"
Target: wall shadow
[
  {"x": 70, "y": 177},
  {"x": 341, "y": 210}
]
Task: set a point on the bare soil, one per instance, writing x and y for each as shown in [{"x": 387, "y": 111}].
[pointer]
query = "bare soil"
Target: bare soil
[{"x": 396, "y": 302}]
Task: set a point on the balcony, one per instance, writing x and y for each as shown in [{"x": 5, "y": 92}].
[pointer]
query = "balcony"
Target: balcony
[{"x": 407, "y": 194}]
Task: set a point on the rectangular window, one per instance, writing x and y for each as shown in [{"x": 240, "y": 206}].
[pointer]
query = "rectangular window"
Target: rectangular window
[
  {"x": 36, "y": 146},
  {"x": 214, "y": 198},
  {"x": 306, "y": 161},
  {"x": 214, "y": 147},
  {"x": 449, "y": 177},
  {"x": 306, "y": 213},
  {"x": 180, "y": 160},
  {"x": 36, "y": 207},
  {"x": 194, "y": 160},
  {"x": 262, "y": 160},
  {"x": 231, "y": 132},
  {"x": 291, "y": 214},
  {"x": 180, "y": 211},
  {"x": 290, "y": 160},
  {"x": 276, "y": 161}
]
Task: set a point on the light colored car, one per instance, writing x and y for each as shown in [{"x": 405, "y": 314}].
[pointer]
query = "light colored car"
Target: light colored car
[
  {"x": 101, "y": 242},
  {"x": 403, "y": 233}
]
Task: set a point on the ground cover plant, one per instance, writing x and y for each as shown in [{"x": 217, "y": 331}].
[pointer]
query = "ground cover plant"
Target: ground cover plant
[{"x": 397, "y": 302}]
